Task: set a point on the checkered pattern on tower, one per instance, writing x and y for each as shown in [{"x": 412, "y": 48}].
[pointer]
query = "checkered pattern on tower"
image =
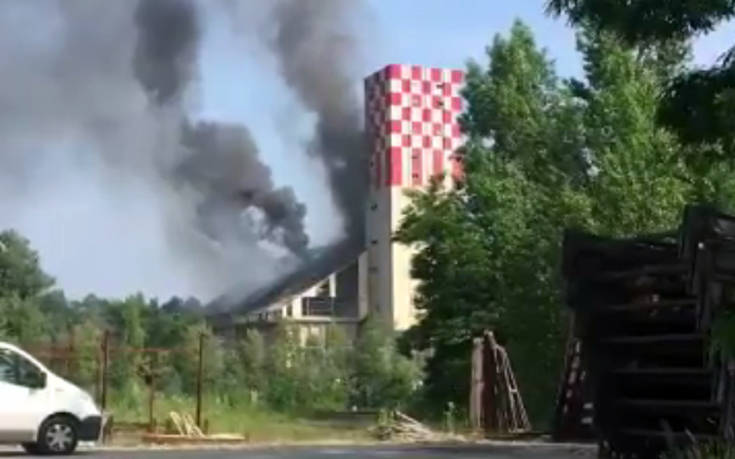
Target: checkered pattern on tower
[{"x": 411, "y": 116}]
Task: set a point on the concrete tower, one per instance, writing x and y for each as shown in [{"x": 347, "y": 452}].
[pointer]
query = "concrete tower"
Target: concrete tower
[{"x": 411, "y": 119}]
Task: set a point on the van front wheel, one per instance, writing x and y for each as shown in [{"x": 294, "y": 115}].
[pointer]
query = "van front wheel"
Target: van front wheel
[{"x": 58, "y": 435}]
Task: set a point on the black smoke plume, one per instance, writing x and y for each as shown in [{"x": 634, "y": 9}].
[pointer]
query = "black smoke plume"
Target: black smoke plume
[
  {"x": 316, "y": 57},
  {"x": 120, "y": 189},
  {"x": 166, "y": 49},
  {"x": 220, "y": 161}
]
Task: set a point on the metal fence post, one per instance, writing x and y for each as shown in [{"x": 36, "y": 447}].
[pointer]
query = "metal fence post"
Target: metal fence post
[
  {"x": 153, "y": 363},
  {"x": 105, "y": 359},
  {"x": 98, "y": 375},
  {"x": 477, "y": 383},
  {"x": 200, "y": 371}
]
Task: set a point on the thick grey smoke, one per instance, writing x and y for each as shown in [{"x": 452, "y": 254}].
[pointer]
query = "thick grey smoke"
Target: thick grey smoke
[
  {"x": 220, "y": 161},
  {"x": 98, "y": 155},
  {"x": 223, "y": 164},
  {"x": 167, "y": 47},
  {"x": 316, "y": 56}
]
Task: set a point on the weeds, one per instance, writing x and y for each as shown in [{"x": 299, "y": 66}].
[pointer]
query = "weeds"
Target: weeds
[{"x": 705, "y": 450}]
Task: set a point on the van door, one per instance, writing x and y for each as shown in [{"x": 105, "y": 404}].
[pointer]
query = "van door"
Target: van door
[{"x": 21, "y": 404}]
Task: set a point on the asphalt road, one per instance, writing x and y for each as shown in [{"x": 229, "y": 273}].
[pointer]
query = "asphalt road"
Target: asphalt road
[{"x": 339, "y": 452}]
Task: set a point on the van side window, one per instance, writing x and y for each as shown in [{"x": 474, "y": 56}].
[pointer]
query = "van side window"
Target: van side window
[
  {"x": 28, "y": 373},
  {"x": 17, "y": 370},
  {"x": 8, "y": 372}
]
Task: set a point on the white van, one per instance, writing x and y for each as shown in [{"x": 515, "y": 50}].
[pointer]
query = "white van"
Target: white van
[{"x": 41, "y": 411}]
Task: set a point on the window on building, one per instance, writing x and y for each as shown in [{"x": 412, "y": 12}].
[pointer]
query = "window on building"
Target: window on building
[
  {"x": 323, "y": 290},
  {"x": 289, "y": 311}
]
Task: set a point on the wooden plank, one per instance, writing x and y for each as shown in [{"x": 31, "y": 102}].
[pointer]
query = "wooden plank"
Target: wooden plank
[
  {"x": 183, "y": 439},
  {"x": 689, "y": 302},
  {"x": 653, "y": 339},
  {"x": 664, "y": 435},
  {"x": 662, "y": 371},
  {"x": 669, "y": 404},
  {"x": 645, "y": 270}
]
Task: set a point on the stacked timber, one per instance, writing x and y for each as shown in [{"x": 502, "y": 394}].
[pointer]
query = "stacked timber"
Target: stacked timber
[
  {"x": 646, "y": 372},
  {"x": 399, "y": 427}
]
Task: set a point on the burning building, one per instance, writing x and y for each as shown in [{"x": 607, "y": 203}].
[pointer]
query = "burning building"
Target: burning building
[{"x": 411, "y": 122}]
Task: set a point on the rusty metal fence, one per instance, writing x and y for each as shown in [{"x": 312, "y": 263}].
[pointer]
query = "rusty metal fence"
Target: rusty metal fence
[{"x": 90, "y": 367}]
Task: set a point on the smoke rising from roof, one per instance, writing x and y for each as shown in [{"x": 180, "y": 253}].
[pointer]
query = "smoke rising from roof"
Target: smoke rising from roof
[
  {"x": 100, "y": 161},
  {"x": 315, "y": 54},
  {"x": 167, "y": 46}
]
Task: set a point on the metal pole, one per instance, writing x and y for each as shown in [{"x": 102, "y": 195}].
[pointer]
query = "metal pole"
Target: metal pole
[
  {"x": 152, "y": 391},
  {"x": 70, "y": 354},
  {"x": 476, "y": 386},
  {"x": 105, "y": 359},
  {"x": 98, "y": 376},
  {"x": 199, "y": 381}
]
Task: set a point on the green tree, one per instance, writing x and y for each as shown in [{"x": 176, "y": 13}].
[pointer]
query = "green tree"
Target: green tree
[
  {"x": 87, "y": 340},
  {"x": 23, "y": 321},
  {"x": 382, "y": 378},
  {"x": 327, "y": 364},
  {"x": 697, "y": 103},
  {"x": 645, "y": 20},
  {"x": 251, "y": 352},
  {"x": 125, "y": 320},
  {"x": 22, "y": 281},
  {"x": 542, "y": 155},
  {"x": 20, "y": 268}
]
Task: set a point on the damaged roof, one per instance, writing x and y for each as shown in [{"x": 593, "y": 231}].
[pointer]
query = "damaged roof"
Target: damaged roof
[{"x": 319, "y": 265}]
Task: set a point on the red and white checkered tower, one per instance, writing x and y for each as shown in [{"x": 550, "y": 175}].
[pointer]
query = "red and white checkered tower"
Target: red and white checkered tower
[{"x": 411, "y": 118}]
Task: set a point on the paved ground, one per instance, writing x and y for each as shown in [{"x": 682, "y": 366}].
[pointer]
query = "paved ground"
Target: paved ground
[{"x": 496, "y": 451}]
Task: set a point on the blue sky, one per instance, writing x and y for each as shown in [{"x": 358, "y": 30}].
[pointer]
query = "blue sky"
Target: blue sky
[{"x": 239, "y": 83}]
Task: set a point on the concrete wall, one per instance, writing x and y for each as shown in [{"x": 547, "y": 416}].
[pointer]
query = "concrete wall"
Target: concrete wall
[
  {"x": 411, "y": 117},
  {"x": 363, "y": 301}
]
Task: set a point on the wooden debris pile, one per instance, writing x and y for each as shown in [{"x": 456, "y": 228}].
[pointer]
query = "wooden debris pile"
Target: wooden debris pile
[
  {"x": 641, "y": 362},
  {"x": 496, "y": 405},
  {"x": 186, "y": 432},
  {"x": 397, "y": 426}
]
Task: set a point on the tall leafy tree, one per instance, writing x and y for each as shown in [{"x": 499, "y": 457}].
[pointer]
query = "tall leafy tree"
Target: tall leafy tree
[
  {"x": 22, "y": 282},
  {"x": 20, "y": 267},
  {"x": 543, "y": 154},
  {"x": 698, "y": 103},
  {"x": 646, "y": 20},
  {"x": 478, "y": 258},
  {"x": 382, "y": 377}
]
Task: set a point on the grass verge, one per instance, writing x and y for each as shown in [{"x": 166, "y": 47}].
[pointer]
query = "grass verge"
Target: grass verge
[{"x": 257, "y": 424}]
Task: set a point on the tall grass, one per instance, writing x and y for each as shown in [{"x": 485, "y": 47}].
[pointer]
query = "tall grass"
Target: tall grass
[
  {"x": 256, "y": 423},
  {"x": 705, "y": 450}
]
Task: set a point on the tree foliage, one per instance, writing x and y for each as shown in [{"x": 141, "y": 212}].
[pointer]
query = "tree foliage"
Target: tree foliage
[
  {"x": 382, "y": 377},
  {"x": 542, "y": 154},
  {"x": 281, "y": 371},
  {"x": 647, "y": 20},
  {"x": 697, "y": 103}
]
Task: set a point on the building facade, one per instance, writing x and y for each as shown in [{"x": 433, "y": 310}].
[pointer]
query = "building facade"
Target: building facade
[
  {"x": 411, "y": 120},
  {"x": 312, "y": 303},
  {"x": 411, "y": 117}
]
